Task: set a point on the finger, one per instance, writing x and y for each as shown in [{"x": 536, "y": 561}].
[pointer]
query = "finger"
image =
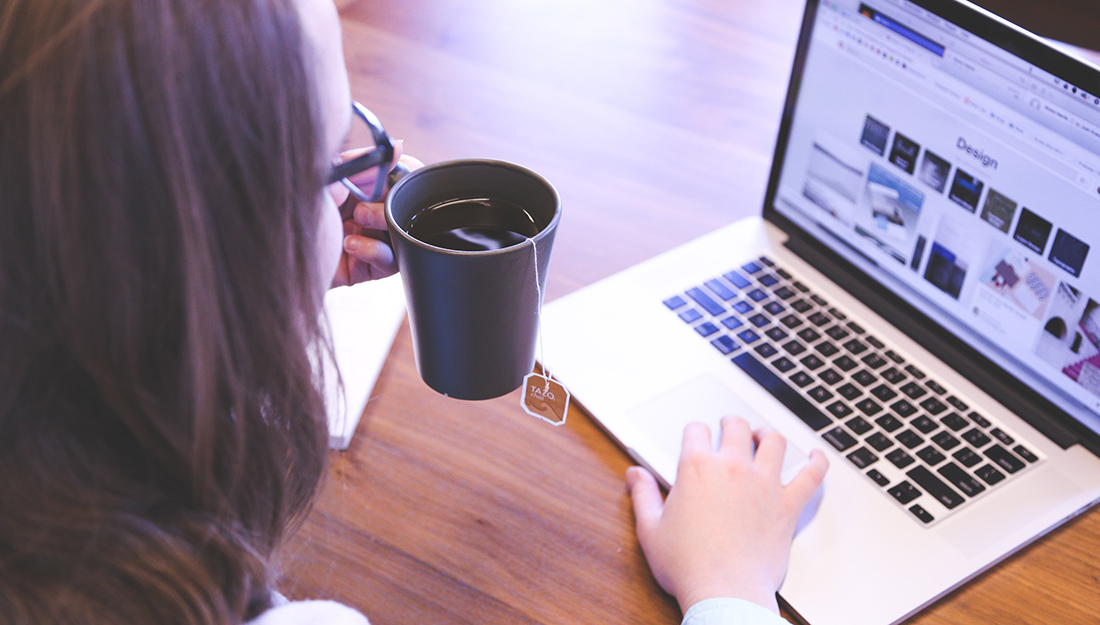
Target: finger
[
  {"x": 770, "y": 448},
  {"x": 373, "y": 252},
  {"x": 696, "y": 439},
  {"x": 371, "y": 215},
  {"x": 648, "y": 504},
  {"x": 808, "y": 480},
  {"x": 411, "y": 162},
  {"x": 736, "y": 439}
]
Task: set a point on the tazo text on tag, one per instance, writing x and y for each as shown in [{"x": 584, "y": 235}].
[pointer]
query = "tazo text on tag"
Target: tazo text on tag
[{"x": 545, "y": 398}]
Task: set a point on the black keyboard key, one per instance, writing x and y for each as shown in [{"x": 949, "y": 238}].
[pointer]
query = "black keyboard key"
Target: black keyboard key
[
  {"x": 954, "y": 421},
  {"x": 957, "y": 403},
  {"x": 883, "y": 393},
  {"x": 878, "y": 478},
  {"x": 989, "y": 474},
  {"x": 796, "y": 403},
  {"x": 935, "y": 387},
  {"x": 923, "y": 424},
  {"x": 873, "y": 360},
  {"x": 838, "y": 409},
  {"x": 826, "y": 349},
  {"x": 801, "y": 287},
  {"x": 819, "y": 319},
  {"x": 767, "y": 261},
  {"x": 748, "y": 336},
  {"x": 903, "y": 408},
  {"x": 800, "y": 379},
  {"x": 1002, "y": 436},
  {"x": 766, "y": 350},
  {"x": 705, "y": 301},
  {"x": 979, "y": 419},
  {"x": 915, "y": 372},
  {"x": 864, "y": 377},
  {"x": 767, "y": 279},
  {"x": 879, "y": 441},
  {"x": 674, "y": 302},
  {"x": 1004, "y": 458},
  {"x": 691, "y": 315},
  {"x": 812, "y": 362},
  {"x": 892, "y": 355},
  {"x": 844, "y": 363},
  {"x": 732, "y": 323},
  {"x": 914, "y": 390},
  {"x": 809, "y": 335},
  {"x": 892, "y": 375},
  {"x": 783, "y": 274},
  {"x": 863, "y": 457},
  {"x": 706, "y": 329},
  {"x": 877, "y": 344},
  {"x": 961, "y": 479},
  {"x": 888, "y": 422},
  {"x": 838, "y": 438},
  {"x": 904, "y": 493},
  {"x": 776, "y": 334},
  {"x": 837, "y": 333},
  {"x": 855, "y": 346},
  {"x": 899, "y": 458},
  {"x": 793, "y": 347},
  {"x": 849, "y": 391},
  {"x": 742, "y": 307},
  {"x": 784, "y": 293},
  {"x": 830, "y": 377},
  {"x": 774, "y": 307},
  {"x": 975, "y": 437},
  {"x": 869, "y": 407},
  {"x": 759, "y": 320},
  {"x": 1025, "y": 453},
  {"x": 858, "y": 425},
  {"x": 909, "y": 438},
  {"x": 922, "y": 514},
  {"x": 933, "y": 406},
  {"x": 783, "y": 364},
  {"x": 801, "y": 305},
  {"x": 737, "y": 279},
  {"x": 725, "y": 344},
  {"x": 967, "y": 457},
  {"x": 820, "y": 394},
  {"x": 820, "y": 301},
  {"x": 837, "y": 314},
  {"x": 751, "y": 267},
  {"x": 931, "y": 456},
  {"x": 855, "y": 327},
  {"x": 935, "y": 487},
  {"x": 791, "y": 321},
  {"x": 945, "y": 440},
  {"x": 720, "y": 289},
  {"x": 757, "y": 295}
]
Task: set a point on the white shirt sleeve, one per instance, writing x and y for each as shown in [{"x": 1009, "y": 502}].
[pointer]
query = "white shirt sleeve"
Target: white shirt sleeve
[
  {"x": 730, "y": 612},
  {"x": 310, "y": 613}
]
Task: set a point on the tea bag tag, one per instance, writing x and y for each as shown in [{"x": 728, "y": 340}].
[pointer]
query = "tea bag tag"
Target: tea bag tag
[{"x": 545, "y": 398}]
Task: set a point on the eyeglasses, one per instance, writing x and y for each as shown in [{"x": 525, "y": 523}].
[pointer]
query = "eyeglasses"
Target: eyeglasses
[{"x": 369, "y": 188}]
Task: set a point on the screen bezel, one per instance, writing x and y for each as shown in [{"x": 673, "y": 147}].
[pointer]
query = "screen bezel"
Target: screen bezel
[{"x": 1049, "y": 418}]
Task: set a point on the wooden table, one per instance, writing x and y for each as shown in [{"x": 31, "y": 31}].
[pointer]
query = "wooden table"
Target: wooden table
[{"x": 656, "y": 121}]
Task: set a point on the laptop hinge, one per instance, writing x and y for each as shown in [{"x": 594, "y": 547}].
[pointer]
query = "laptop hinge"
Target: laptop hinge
[{"x": 1041, "y": 414}]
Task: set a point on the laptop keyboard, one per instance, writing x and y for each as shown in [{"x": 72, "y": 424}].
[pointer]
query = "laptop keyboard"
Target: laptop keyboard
[{"x": 916, "y": 440}]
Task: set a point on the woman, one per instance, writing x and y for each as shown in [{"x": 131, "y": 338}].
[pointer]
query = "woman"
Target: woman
[{"x": 167, "y": 231}]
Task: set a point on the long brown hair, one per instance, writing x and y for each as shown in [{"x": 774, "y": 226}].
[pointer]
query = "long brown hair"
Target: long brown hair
[{"x": 160, "y": 171}]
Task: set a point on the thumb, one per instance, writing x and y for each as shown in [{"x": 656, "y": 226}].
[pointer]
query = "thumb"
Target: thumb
[{"x": 648, "y": 503}]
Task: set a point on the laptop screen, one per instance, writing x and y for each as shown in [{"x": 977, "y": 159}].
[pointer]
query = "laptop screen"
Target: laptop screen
[{"x": 963, "y": 177}]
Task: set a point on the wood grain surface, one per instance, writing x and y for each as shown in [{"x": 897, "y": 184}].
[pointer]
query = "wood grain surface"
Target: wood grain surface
[{"x": 656, "y": 120}]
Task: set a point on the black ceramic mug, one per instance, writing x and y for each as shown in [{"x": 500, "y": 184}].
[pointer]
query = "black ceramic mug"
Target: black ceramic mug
[{"x": 473, "y": 314}]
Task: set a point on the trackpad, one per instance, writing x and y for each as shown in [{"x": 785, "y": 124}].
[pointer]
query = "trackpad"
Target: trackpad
[{"x": 707, "y": 400}]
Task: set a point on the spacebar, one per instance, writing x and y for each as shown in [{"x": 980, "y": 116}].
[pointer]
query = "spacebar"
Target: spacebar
[{"x": 799, "y": 405}]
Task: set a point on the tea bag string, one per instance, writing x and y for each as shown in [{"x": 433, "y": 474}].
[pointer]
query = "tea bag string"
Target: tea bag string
[{"x": 538, "y": 313}]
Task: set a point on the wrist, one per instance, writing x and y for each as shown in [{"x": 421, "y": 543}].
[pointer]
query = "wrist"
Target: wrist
[{"x": 762, "y": 596}]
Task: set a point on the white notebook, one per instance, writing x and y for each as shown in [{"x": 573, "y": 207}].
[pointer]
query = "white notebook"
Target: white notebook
[{"x": 364, "y": 320}]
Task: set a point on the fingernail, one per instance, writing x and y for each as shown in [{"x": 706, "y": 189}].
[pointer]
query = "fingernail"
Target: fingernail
[{"x": 351, "y": 244}]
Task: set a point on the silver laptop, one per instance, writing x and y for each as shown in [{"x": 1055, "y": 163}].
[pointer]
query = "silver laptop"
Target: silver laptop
[{"x": 920, "y": 298}]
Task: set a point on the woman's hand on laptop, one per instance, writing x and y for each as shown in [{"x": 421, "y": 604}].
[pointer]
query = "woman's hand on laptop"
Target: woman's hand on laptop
[{"x": 727, "y": 526}]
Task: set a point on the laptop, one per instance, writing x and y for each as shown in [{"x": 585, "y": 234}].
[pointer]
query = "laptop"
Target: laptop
[{"x": 919, "y": 298}]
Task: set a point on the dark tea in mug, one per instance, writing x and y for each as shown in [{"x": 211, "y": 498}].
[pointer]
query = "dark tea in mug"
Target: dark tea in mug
[{"x": 474, "y": 225}]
